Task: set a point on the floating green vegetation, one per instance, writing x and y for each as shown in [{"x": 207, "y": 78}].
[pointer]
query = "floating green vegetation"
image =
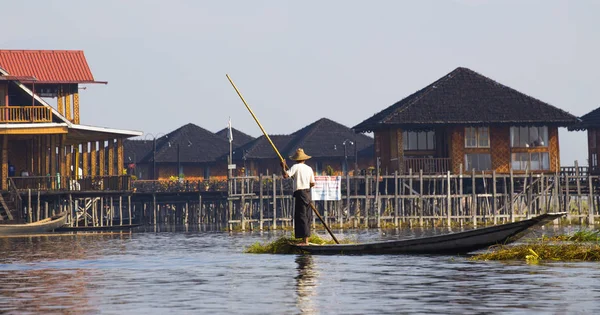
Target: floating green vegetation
[
  {"x": 579, "y": 236},
  {"x": 535, "y": 253},
  {"x": 285, "y": 245}
]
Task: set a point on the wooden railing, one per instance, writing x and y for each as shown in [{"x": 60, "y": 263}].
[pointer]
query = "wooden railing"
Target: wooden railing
[
  {"x": 576, "y": 170},
  {"x": 88, "y": 183},
  {"x": 428, "y": 165},
  {"x": 25, "y": 114}
]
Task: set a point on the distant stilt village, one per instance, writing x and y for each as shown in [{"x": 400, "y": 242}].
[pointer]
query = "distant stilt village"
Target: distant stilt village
[{"x": 463, "y": 150}]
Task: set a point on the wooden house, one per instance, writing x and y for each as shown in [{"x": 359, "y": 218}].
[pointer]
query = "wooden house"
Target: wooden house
[
  {"x": 467, "y": 121},
  {"x": 42, "y": 144},
  {"x": 190, "y": 152},
  {"x": 591, "y": 123},
  {"x": 334, "y": 148}
]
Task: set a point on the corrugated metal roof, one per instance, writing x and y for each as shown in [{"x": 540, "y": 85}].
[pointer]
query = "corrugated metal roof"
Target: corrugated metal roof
[{"x": 47, "y": 66}]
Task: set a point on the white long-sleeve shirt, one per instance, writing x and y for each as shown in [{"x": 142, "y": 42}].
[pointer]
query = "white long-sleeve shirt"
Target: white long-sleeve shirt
[{"x": 302, "y": 174}]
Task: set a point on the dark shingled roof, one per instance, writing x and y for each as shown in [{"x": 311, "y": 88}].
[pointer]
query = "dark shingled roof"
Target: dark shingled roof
[
  {"x": 260, "y": 148},
  {"x": 589, "y": 120},
  {"x": 136, "y": 151},
  {"x": 196, "y": 145},
  {"x": 239, "y": 138},
  {"x": 323, "y": 138},
  {"x": 467, "y": 98}
]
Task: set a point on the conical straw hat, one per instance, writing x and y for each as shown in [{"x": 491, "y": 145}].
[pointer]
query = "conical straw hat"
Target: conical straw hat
[{"x": 300, "y": 155}]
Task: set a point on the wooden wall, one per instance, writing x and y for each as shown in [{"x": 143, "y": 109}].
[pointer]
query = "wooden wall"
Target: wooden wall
[{"x": 388, "y": 146}]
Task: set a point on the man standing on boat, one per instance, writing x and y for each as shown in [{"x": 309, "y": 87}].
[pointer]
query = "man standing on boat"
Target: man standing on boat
[{"x": 304, "y": 180}]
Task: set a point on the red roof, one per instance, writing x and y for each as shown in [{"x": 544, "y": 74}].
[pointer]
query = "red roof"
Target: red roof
[{"x": 47, "y": 66}]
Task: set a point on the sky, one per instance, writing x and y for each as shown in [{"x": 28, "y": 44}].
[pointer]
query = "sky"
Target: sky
[{"x": 298, "y": 61}]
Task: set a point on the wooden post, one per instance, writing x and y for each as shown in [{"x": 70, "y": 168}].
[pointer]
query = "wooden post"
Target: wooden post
[
  {"x": 120, "y": 210},
  {"x": 68, "y": 103},
  {"x": 69, "y": 164},
  {"x": 367, "y": 206},
  {"x": 396, "y": 202},
  {"x": 591, "y": 205},
  {"x": 494, "y": 200},
  {"x": 474, "y": 200},
  {"x": 200, "y": 212},
  {"x": 243, "y": 204},
  {"x": 411, "y": 193},
  {"x": 101, "y": 211},
  {"x": 120, "y": 157},
  {"x": 93, "y": 158},
  {"x": 112, "y": 211},
  {"x": 567, "y": 206},
  {"x": 29, "y": 211},
  {"x": 38, "y": 212},
  {"x": 63, "y": 158},
  {"x": 260, "y": 202},
  {"x": 129, "y": 209},
  {"x": 111, "y": 157},
  {"x": 154, "y": 208},
  {"x": 46, "y": 210},
  {"x": 4, "y": 178},
  {"x": 421, "y": 197},
  {"x": 52, "y": 155},
  {"x": 60, "y": 101},
  {"x": 102, "y": 159},
  {"x": 348, "y": 191},
  {"x": 275, "y": 204},
  {"x": 76, "y": 105},
  {"x": 448, "y": 200},
  {"x": 578, "y": 178},
  {"x": 377, "y": 201},
  {"x": 511, "y": 197},
  {"x": 460, "y": 192},
  {"x": 530, "y": 196},
  {"x": 85, "y": 159}
]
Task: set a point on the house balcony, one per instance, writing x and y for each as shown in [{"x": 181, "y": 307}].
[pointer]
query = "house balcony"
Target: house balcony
[
  {"x": 25, "y": 114},
  {"x": 428, "y": 165}
]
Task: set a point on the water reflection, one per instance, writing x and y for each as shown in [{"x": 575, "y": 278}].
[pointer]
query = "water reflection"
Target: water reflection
[
  {"x": 45, "y": 291},
  {"x": 306, "y": 284}
]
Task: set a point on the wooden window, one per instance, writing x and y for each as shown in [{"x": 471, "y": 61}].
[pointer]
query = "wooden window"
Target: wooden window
[
  {"x": 592, "y": 134},
  {"x": 534, "y": 161},
  {"x": 477, "y": 137},
  {"x": 207, "y": 172},
  {"x": 478, "y": 161},
  {"x": 418, "y": 140},
  {"x": 594, "y": 161},
  {"x": 527, "y": 137}
]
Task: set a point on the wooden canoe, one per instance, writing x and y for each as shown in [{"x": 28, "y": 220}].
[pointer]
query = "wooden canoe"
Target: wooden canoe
[
  {"x": 46, "y": 225},
  {"x": 454, "y": 243}
]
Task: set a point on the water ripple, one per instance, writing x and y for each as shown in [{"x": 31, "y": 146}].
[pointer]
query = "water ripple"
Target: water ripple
[{"x": 206, "y": 272}]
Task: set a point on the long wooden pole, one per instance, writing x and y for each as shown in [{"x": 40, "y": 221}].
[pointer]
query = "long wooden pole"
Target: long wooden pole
[{"x": 278, "y": 154}]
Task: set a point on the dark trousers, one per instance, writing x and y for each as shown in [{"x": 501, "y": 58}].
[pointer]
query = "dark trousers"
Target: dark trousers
[{"x": 302, "y": 213}]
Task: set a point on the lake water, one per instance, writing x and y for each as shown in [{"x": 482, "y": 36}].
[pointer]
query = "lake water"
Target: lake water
[{"x": 207, "y": 273}]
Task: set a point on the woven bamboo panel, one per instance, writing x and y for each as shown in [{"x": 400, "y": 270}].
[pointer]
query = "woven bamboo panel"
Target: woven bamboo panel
[
  {"x": 457, "y": 147},
  {"x": 400, "y": 152},
  {"x": 500, "y": 148},
  {"x": 553, "y": 148}
]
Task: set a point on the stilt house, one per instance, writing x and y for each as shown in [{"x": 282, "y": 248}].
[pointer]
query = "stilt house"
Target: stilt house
[{"x": 466, "y": 121}]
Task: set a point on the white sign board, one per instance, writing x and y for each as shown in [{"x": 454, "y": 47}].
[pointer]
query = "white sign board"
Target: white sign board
[
  {"x": 327, "y": 188},
  {"x": 231, "y": 166}
]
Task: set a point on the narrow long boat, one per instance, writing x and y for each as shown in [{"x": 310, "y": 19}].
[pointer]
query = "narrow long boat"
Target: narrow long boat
[
  {"x": 45, "y": 225},
  {"x": 453, "y": 243}
]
